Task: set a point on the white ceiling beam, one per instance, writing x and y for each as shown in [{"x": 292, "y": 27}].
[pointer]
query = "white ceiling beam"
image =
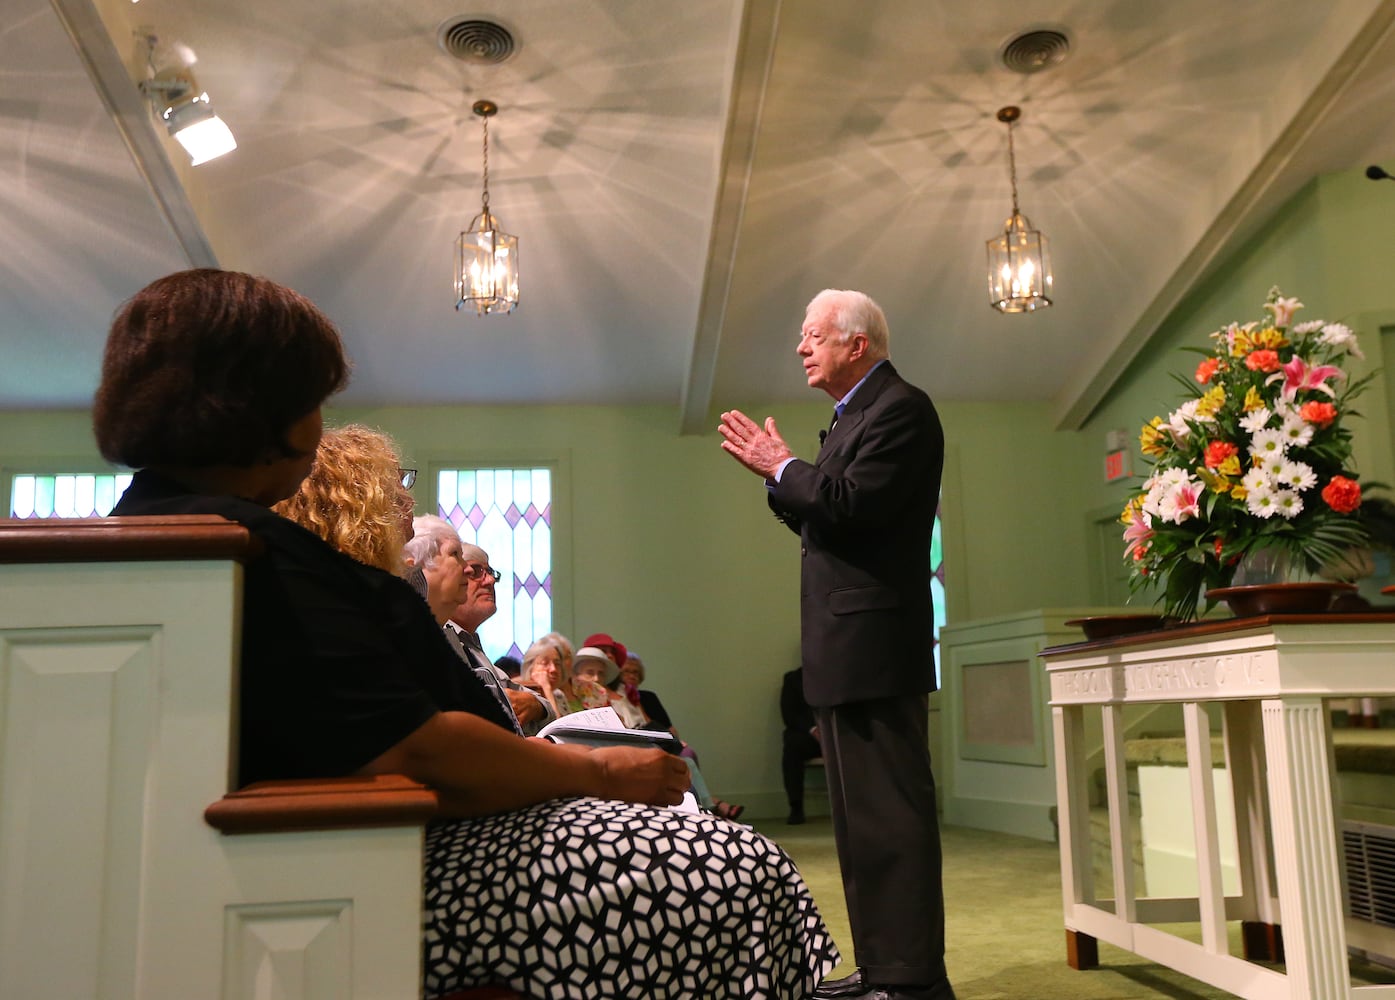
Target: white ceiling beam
[
  {"x": 755, "y": 51},
  {"x": 1242, "y": 214},
  {"x": 96, "y": 43}
]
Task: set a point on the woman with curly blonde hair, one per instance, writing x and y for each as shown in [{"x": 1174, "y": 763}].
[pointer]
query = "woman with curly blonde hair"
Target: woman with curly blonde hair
[{"x": 354, "y": 498}]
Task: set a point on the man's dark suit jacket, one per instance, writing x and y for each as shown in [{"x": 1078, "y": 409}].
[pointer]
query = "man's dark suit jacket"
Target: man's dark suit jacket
[{"x": 864, "y": 512}]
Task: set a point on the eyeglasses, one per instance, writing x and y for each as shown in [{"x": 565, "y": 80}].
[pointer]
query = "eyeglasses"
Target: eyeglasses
[
  {"x": 474, "y": 571},
  {"x": 409, "y": 477}
]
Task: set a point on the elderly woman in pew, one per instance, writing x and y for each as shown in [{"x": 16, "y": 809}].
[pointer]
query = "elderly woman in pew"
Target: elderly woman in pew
[
  {"x": 212, "y": 384},
  {"x": 547, "y": 666},
  {"x": 457, "y": 583}
]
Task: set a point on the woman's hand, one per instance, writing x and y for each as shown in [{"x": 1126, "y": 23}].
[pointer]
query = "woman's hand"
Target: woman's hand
[
  {"x": 649, "y": 775},
  {"x": 444, "y": 753}
]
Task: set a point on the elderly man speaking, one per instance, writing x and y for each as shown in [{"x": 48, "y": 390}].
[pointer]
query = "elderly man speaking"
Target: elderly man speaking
[{"x": 864, "y": 510}]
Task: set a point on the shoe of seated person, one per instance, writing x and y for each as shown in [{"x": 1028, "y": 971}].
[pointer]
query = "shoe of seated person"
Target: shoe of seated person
[
  {"x": 796, "y": 816},
  {"x": 726, "y": 810}
]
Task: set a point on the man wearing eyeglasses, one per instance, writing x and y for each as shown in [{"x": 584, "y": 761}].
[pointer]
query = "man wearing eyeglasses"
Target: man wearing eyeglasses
[
  {"x": 864, "y": 510},
  {"x": 531, "y": 709},
  {"x": 435, "y": 538}
]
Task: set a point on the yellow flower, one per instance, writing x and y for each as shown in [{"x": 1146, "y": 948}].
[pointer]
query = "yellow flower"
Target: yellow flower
[
  {"x": 1268, "y": 339},
  {"x": 1214, "y": 483},
  {"x": 1253, "y": 400},
  {"x": 1239, "y": 492},
  {"x": 1150, "y": 440},
  {"x": 1211, "y": 401},
  {"x": 1239, "y": 339},
  {"x": 1136, "y": 504},
  {"x": 1230, "y": 467}
]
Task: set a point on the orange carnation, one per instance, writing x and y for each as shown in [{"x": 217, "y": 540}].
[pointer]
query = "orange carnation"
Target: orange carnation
[
  {"x": 1317, "y": 413},
  {"x": 1206, "y": 371},
  {"x": 1218, "y": 451},
  {"x": 1342, "y": 494},
  {"x": 1263, "y": 361}
]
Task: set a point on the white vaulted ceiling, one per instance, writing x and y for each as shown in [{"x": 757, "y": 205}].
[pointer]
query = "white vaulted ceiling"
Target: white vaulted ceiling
[{"x": 683, "y": 177}]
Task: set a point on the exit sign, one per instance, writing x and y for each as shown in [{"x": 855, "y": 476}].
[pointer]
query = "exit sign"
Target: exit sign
[{"x": 1116, "y": 466}]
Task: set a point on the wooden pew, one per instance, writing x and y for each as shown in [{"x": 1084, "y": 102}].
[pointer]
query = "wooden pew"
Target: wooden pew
[{"x": 128, "y": 866}]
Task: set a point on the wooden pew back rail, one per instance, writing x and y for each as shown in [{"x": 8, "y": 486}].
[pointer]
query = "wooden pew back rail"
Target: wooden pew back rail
[{"x": 118, "y": 659}]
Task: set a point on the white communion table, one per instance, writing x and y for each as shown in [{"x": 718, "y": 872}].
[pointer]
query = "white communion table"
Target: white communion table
[{"x": 1271, "y": 675}]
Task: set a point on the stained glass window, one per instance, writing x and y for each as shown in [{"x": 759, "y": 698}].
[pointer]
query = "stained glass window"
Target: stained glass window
[
  {"x": 66, "y": 494},
  {"x": 508, "y": 513}
]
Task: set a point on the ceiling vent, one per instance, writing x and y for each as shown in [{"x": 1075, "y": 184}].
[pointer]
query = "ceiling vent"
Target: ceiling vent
[
  {"x": 474, "y": 40},
  {"x": 1035, "y": 51}
]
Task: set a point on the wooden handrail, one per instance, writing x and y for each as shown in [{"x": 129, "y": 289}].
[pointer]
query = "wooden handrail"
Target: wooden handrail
[
  {"x": 323, "y": 804},
  {"x": 124, "y": 539}
]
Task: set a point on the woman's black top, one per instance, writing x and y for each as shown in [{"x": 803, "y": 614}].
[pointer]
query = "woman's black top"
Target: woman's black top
[
  {"x": 654, "y": 708},
  {"x": 340, "y": 661}
]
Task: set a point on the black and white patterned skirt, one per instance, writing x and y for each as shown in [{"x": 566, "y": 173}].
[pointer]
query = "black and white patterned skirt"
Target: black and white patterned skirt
[{"x": 579, "y": 899}]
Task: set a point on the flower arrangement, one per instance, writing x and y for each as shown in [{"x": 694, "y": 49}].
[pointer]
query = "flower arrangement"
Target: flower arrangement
[{"x": 1256, "y": 461}]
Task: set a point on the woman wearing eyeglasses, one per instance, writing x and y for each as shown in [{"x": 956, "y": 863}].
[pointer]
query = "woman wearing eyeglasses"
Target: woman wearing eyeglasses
[
  {"x": 212, "y": 384},
  {"x": 547, "y": 666}
]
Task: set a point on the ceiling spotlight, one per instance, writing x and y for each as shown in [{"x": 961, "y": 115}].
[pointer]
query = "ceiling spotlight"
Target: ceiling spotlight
[{"x": 176, "y": 98}]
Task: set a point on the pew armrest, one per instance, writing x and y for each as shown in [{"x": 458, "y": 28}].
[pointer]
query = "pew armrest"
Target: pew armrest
[
  {"x": 124, "y": 539},
  {"x": 323, "y": 804}
]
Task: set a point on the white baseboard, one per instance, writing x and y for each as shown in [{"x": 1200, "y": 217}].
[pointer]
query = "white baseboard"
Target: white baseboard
[{"x": 1023, "y": 819}]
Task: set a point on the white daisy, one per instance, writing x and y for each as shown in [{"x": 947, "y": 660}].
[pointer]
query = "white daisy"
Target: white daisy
[
  {"x": 1296, "y": 431},
  {"x": 1267, "y": 442},
  {"x": 1309, "y": 325},
  {"x": 1255, "y": 419},
  {"x": 1256, "y": 481},
  {"x": 1340, "y": 337},
  {"x": 1287, "y": 503},
  {"x": 1272, "y": 466},
  {"x": 1260, "y": 502},
  {"x": 1298, "y": 476}
]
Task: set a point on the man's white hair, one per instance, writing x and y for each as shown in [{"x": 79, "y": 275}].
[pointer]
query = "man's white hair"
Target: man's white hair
[{"x": 856, "y": 312}]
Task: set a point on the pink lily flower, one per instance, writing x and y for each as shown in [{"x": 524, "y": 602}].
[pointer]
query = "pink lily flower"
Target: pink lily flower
[
  {"x": 1183, "y": 502},
  {"x": 1298, "y": 376},
  {"x": 1138, "y": 533}
]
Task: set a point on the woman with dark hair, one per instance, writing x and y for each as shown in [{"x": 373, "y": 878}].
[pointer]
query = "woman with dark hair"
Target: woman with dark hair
[
  {"x": 236, "y": 393},
  {"x": 212, "y": 385}
]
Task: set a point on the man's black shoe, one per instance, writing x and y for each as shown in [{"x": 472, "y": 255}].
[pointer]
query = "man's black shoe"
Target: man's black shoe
[
  {"x": 796, "y": 816},
  {"x": 835, "y": 989}
]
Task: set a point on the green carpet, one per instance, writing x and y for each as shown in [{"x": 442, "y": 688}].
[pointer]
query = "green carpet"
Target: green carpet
[{"x": 1004, "y": 933}]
